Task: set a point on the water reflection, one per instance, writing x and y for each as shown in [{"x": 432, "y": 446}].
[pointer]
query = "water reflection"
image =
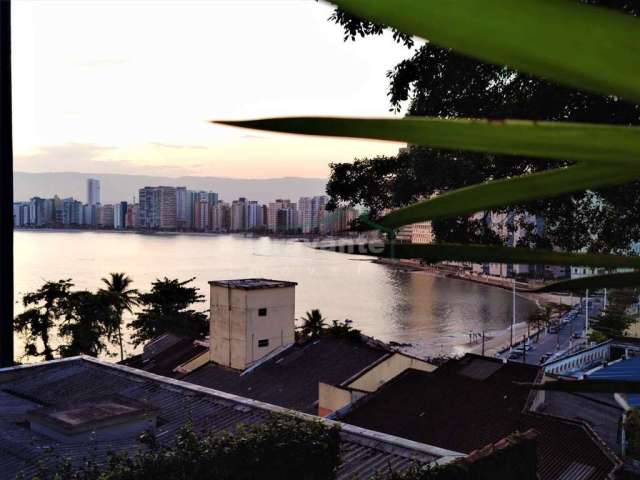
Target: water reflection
[{"x": 436, "y": 313}]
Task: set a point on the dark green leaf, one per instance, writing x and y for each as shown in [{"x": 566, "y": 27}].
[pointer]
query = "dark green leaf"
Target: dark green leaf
[
  {"x": 596, "y": 282},
  {"x": 438, "y": 252},
  {"x": 579, "y": 45}
]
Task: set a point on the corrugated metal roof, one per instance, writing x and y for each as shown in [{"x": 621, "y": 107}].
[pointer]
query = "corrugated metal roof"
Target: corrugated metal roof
[
  {"x": 25, "y": 388},
  {"x": 623, "y": 370},
  {"x": 290, "y": 379}
]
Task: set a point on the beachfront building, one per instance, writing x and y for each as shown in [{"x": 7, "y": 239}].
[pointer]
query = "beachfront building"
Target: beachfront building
[
  {"x": 93, "y": 191},
  {"x": 158, "y": 208},
  {"x": 282, "y": 216},
  {"x": 416, "y": 233}
]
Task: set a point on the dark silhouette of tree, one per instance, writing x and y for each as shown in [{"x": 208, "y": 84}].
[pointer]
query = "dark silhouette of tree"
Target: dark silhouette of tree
[
  {"x": 44, "y": 308},
  {"x": 122, "y": 299},
  {"x": 439, "y": 82},
  {"x": 344, "y": 330},
  {"x": 166, "y": 308},
  {"x": 313, "y": 323},
  {"x": 87, "y": 320}
]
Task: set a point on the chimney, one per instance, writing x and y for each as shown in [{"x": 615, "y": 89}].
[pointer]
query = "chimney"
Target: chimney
[{"x": 250, "y": 318}]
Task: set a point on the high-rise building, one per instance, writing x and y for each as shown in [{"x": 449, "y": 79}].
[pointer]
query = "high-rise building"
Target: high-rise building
[
  {"x": 202, "y": 215},
  {"x": 220, "y": 217},
  {"x": 253, "y": 218},
  {"x": 239, "y": 215},
  {"x": 37, "y": 212},
  {"x": 158, "y": 209},
  {"x": 183, "y": 209},
  {"x": 273, "y": 212},
  {"x": 131, "y": 218},
  {"x": 106, "y": 216},
  {"x": 72, "y": 212},
  {"x": 311, "y": 214},
  {"x": 340, "y": 219},
  {"x": 93, "y": 191},
  {"x": 120, "y": 215},
  {"x": 20, "y": 214}
]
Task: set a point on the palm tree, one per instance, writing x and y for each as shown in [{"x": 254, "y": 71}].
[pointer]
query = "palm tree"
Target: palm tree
[
  {"x": 313, "y": 324},
  {"x": 123, "y": 299}
]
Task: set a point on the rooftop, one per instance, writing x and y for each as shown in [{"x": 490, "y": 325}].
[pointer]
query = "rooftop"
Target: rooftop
[
  {"x": 474, "y": 401},
  {"x": 164, "y": 354},
  {"x": 252, "y": 283},
  {"x": 621, "y": 370},
  {"x": 82, "y": 380},
  {"x": 628, "y": 369},
  {"x": 599, "y": 410},
  {"x": 290, "y": 379},
  {"x": 86, "y": 416}
]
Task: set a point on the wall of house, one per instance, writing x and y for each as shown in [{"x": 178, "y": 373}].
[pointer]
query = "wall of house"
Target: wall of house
[
  {"x": 194, "y": 363},
  {"x": 332, "y": 398},
  {"x": 387, "y": 369}
]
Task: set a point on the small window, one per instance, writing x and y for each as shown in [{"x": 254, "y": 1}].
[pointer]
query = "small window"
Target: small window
[
  {"x": 263, "y": 343},
  {"x": 262, "y": 312}
]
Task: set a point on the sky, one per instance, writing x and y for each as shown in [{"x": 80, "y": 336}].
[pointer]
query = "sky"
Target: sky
[{"x": 119, "y": 86}]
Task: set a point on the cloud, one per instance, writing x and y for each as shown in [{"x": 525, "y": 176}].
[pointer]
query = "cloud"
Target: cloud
[
  {"x": 91, "y": 158},
  {"x": 178, "y": 147}
]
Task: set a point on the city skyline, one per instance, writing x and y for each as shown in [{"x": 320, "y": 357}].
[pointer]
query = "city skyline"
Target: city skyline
[
  {"x": 177, "y": 208},
  {"x": 110, "y": 104}
]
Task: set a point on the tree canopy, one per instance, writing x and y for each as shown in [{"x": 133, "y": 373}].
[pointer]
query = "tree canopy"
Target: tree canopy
[
  {"x": 439, "y": 82},
  {"x": 166, "y": 308}
]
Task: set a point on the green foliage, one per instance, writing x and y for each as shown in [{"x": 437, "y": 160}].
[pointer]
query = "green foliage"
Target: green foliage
[
  {"x": 632, "y": 431},
  {"x": 604, "y": 155},
  {"x": 492, "y": 254},
  {"x": 315, "y": 326},
  {"x": 122, "y": 299},
  {"x": 44, "y": 308},
  {"x": 596, "y": 282},
  {"x": 506, "y": 32},
  {"x": 87, "y": 318},
  {"x": 166, "y": 308},
  {"x": 313, "y": 323},
  {"x": 282, "y": 448},
  {"x": 516, "y": 460},
  {"x": 613, "y": 321},
  {"x": 344, "y": 330}
]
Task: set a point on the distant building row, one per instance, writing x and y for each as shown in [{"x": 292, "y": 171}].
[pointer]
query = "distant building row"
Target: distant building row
[{"x": 176, "y": 208}]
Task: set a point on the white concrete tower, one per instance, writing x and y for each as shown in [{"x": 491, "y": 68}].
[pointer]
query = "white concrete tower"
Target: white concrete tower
[{"x": 250, "y": 318}]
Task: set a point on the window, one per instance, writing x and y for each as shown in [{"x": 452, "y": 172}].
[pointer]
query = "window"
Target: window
[
  {"x": 263, "y": 343},
  {"x": 262, "y": 312}
]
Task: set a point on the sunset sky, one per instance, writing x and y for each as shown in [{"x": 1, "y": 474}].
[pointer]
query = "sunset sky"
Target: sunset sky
[{"x": 118, "y": 86}]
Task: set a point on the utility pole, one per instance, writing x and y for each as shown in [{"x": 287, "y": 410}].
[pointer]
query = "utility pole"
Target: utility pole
[
  {"x": 605, "y": 299},
  {"x": 513, "y": 319},
  {"x": 586, "y": 313},
  {"x": 6, "y": 189}
]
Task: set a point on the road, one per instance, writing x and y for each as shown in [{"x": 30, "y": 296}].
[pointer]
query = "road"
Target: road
[{"x": 551, "y": 343}]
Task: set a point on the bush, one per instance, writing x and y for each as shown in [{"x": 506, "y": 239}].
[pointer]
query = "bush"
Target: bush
[
  {"x": 282, "y": 448},
  {"x": 632, "y": 430}
]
